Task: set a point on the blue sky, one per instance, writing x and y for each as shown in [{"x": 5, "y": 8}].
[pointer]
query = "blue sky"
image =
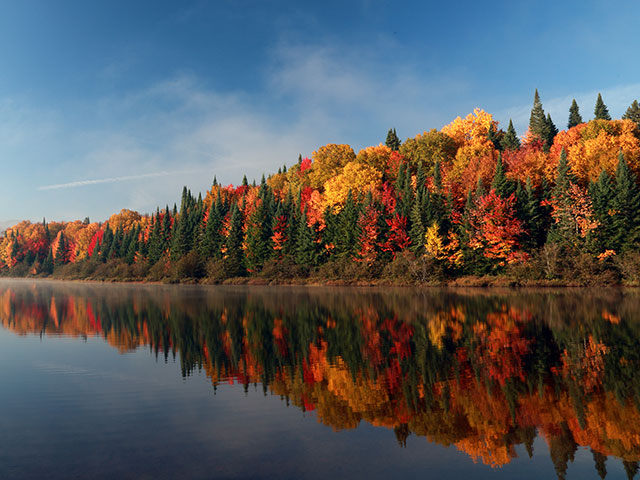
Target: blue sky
[{"x": 113, "y": 104}]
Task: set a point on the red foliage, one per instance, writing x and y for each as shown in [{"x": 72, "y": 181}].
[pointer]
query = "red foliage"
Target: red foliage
[{"x": 397, "y": 238}]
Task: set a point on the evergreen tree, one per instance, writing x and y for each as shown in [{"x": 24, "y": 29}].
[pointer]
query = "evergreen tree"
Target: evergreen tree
[
  {"x": 500, "y": 183},
  {"x": 47, "y": 266},
  {"x": 259, "y": 244},
  {"x": 105, "y": 246},
  {"x": 600, "y": 461},
  {"x": 392, "y": 141},
  {"x": 550, "y": 132},
  {"x": 574, "y": 115},
  {"x": 510, "y": 140},
  {"x": 626, "y": 205},
  {"x": 213, "y": 239},
  {"x": 630, "y": 468},
  {"x": 348, "y": 229},
  {"x": 563, "y": 230},
  {"x": 601, "y": 194},
  {"x": 601, "y": 112},
  {"x": 538, "y": 120},
  {"x": 155, "y": 243},
  {"x": 234, "y": 255},
  {"x": 305, "y": 252},
  {"x": 633, "y": 113},
  {"x": 61, "y": 251},
  {"x": 417, "y": 231},
  {"x": 495, "y": 137}
]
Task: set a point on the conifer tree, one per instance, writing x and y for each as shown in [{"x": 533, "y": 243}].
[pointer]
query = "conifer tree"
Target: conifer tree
[
  {"x": 550, "y": 132},
  {"x": 530, "y": 214},
  {"x": 601, "y": 193},
  {"x": 61, "y": 251},
  {"x": 495, "y": 137},
  {"x": 392, "y": 141},
  {"x": 305, "y": 252},
  {"x": 574, "y": 115},
  {"x": 213, "y": 240},
  {"x": 47, "y": 266},
  {"x": 601, "y": 112},
  {"x": 633, "y": 113},
  {"x": 538, "y": 120},
  {"x": 348, "y": 229},
  {"x": 417, "y": 230},
  {"x": 626, "y": 205},
  {"x": 562, "y": 231},
  {"x": 234, "y": 255},
  {"x": 510, "y": 140},
  {"x": 500, "y": 183}
]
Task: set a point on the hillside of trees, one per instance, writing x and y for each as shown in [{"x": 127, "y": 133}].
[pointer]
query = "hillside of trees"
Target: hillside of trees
[{"x": 472, "y": 200}]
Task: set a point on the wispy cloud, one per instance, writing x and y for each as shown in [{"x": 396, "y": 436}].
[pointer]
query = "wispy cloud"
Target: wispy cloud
[{"x": 83, "y": 183}]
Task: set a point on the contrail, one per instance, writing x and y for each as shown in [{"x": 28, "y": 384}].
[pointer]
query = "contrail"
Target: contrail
[{"x": 82, "y": 183}]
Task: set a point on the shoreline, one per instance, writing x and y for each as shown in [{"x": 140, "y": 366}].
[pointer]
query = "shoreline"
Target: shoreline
[{"x": 475, "y": 282}]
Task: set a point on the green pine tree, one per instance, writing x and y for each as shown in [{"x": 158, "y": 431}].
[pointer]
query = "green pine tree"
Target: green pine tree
[
  {"x": 538, "y": 120},
  {"x": 234, "y": 256},
  {"x": 633, "y": 113},
  {"x": 626, "y": 205},
  {"x": 392, "y": 141},
  {"x": 500, "y": 183},
  {"x": 550, "y": 132},
  {"x": 601, "y": 112},
  {"x": 510, "y": 140},
  {"x": 574, "y": 115},
  {"x": 305, "y": 252},
  {"x": 417, "y": 231},
  {"x": 601, "y": 194}
]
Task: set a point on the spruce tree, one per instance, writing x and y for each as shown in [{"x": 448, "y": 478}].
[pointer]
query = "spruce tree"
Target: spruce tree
[
  {"x": 601, "y": 194},
  {"x": 510, "y": 140},
  {"x": 500, "y": 183},
  {"x": 495, "y": 137},
  {"x": 626, "y": 205},
  {"x": 633, "y": 113},
  {"x": 531, "y": 215},
  {"x": 538, "y": 120},
  {"x": 305, "y": 252},
  {"x": 47, "y": 266},
  {"x": 392, "y": 141},
  {"x": 550, "y": 132},
  {"x": 348, "y": 229},
  {"x": 417, "y": 231},
  {"x": 213, "y": 240},
  {"x": 234, "y": 255},
  {"x": 601, "y": 112},
  {"x": 574, "y": 115}
]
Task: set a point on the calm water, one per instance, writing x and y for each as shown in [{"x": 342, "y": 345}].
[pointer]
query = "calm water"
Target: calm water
[{"x": 193, "y": 382}]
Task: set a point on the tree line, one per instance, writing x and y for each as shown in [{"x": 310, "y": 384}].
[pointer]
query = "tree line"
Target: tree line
[{"x": 468, "y": 199}]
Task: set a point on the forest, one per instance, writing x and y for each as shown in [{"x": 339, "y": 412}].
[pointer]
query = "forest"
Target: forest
[{"x": 472, "y": 203}]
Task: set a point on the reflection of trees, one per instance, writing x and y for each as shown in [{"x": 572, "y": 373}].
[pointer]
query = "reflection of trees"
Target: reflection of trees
[{"x": 482, "y": 372}]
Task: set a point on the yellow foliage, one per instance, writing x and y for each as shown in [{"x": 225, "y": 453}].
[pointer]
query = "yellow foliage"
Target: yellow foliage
[
  {"x": 594, "y": 146},
  {"x": 125, "y": 219},
  {"x": 474, "y": 127},
  {"x": 357, "y": 177},
  {"x": 328, "y": 161},
  {"x": 376, "y": 157},
  {"x": 433, "y": 242}
]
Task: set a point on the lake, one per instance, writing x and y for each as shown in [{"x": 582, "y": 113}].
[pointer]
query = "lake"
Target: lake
[{"x": 152, "y": 381}]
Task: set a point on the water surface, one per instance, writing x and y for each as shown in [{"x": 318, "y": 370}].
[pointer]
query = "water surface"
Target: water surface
[{"x": 112, "y": 381}]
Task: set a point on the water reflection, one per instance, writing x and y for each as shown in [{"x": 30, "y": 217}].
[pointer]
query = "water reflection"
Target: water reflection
[{"x": 482, "y": 371}]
